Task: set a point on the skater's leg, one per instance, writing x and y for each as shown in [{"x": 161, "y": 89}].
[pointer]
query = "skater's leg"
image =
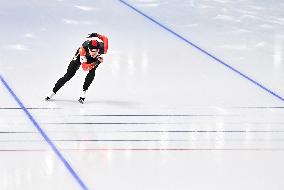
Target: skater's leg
[
  {"x": 89, "y": 79},
  {"x": 72, "y": 68}
]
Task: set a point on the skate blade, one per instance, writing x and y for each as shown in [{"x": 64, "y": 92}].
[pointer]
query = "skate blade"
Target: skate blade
[{"x": 81, "y": 101}]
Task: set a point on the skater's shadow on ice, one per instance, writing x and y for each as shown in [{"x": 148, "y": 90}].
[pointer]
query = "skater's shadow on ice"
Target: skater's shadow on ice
[
  {"x": 119, "y": 103},
  {"x": 114, "y": 102}
]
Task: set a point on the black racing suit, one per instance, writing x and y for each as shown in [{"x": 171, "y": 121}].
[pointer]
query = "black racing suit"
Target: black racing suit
[{"x": 75, "y": 65}]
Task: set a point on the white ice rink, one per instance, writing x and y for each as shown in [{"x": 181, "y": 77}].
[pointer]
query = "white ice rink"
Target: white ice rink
[{"x": 189, "y": 97}]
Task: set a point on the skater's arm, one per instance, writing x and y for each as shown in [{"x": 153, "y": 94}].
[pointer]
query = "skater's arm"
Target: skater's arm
[
  {"x": 83, "y": 59},
  {"x": 82, "y": 52},
  {"x": 105, "y": 41}
]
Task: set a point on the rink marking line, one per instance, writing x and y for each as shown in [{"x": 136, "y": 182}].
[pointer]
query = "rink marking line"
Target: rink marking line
[
  {"x": 151, "y": 140},
  {"x": 233, "y": 107},
  {"x": 152, "y": 115},
  {"x": 203, "y": 51},
  {"x": 157, "y": 115},
  {"x": 153, "y": 123},
  {"x": 43, "y": 134},
  {"x": 114, "y": 123},
  {"x": 230, "y": 107},
  {"x": 151, "y": 131},
  {"x": 30, "y": 108},
  {"x": 18, "y": 132},
  {"x": 150, "y": 149}
]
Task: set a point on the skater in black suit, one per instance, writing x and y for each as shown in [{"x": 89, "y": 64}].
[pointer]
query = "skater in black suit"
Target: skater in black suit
[{"x": 89, "y": 57}]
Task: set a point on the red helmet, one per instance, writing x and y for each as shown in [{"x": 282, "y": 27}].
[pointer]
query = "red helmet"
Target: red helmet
[{"x": 94, "y": 44}]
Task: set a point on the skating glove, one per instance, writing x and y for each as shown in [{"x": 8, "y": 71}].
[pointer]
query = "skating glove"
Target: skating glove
[
  {"x": 100, "y": 59},
  {"x": 87, "y": 67}
]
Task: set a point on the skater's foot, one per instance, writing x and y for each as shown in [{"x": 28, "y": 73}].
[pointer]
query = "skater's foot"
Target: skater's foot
[
  {"x": 82, "y": 97},
  {"x": 48, "y": 97},
  {"x": 81, "y": 100}
]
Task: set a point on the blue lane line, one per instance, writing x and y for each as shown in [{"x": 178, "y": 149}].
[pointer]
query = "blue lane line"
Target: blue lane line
[
  {"x": 204, "y": 51},
  {"x": 46, "y": 138}
]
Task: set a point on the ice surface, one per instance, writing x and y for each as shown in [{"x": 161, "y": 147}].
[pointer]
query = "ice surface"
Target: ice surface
[{"x": 160, "y": 113}]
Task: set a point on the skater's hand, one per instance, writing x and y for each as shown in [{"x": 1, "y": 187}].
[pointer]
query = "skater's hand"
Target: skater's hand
[
  {"x": 100, "y": 59},
  {"x": 92, "y": 65},
  {"x": 87, "y": 67}
]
